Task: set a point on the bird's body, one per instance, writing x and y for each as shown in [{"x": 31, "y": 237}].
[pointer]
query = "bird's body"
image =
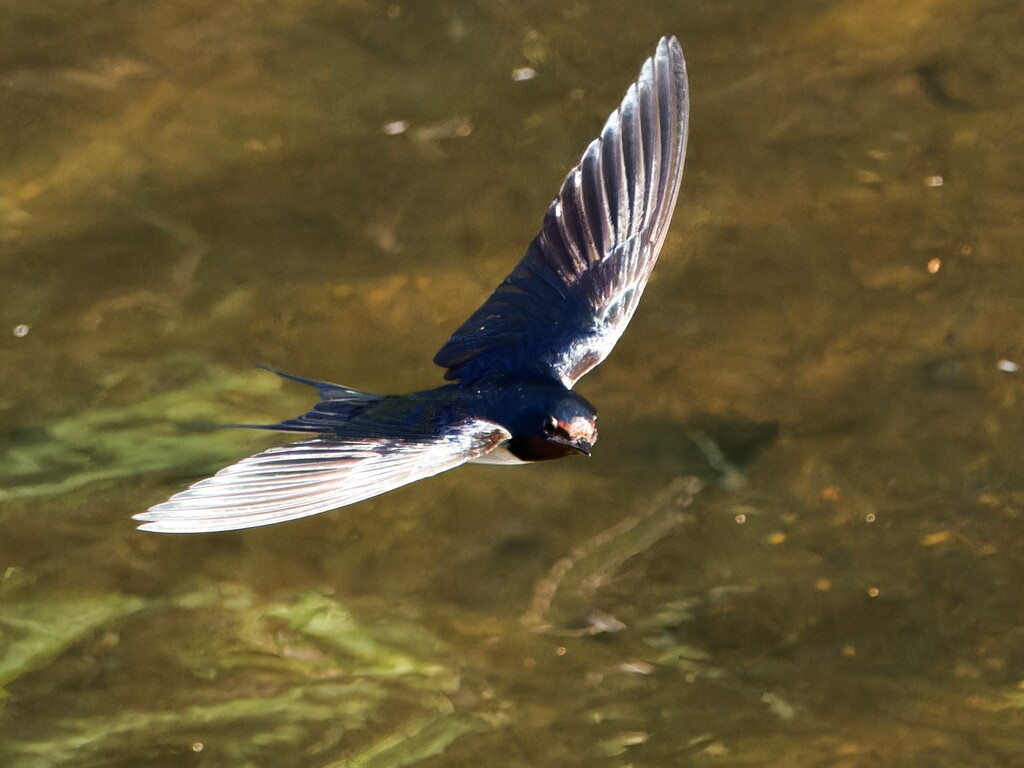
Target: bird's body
[
  {"x": 512, "y": 364},
  {"x": 544, "y": 420}
]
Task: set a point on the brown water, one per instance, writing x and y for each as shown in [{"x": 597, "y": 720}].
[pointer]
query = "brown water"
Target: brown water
[{"x": 829, "y": 343}]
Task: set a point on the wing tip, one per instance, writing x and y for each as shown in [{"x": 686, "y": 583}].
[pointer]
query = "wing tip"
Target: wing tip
[
  {"x": 670, "y": 47},
  {"x": 155, "y": 527},
  {"x": 670, "y": 43},
  {"x": 166, "y": 517},
  {"x": 670, "y": 52},
  {"x": 192, "y": 526}
]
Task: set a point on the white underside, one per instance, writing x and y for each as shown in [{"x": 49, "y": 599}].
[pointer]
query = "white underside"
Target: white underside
[{"x": 500, "y": 455}]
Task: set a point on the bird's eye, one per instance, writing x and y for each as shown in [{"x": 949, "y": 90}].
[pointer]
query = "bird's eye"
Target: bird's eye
[{"x": 551, "y": 425}]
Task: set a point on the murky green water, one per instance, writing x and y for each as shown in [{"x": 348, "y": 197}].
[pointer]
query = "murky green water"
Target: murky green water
[{"x": 828, "y": 343}]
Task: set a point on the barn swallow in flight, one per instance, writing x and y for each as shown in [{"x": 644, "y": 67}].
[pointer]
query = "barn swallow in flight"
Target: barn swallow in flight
[{"x": 512, "y": 364}]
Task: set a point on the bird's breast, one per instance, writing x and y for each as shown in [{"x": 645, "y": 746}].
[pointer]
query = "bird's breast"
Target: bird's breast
[{"x": 500, "y": 455}]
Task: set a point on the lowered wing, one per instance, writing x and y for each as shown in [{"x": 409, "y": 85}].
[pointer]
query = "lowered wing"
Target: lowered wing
[
  {"x": 563, "y": 307},
  {"x": 313, "y": 476}
]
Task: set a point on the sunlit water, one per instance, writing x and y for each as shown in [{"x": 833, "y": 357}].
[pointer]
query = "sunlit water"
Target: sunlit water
[{"x": 830, "y": 343}]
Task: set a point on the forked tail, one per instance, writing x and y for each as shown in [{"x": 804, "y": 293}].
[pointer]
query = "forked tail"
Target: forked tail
[{"x": 338, "y": 405}]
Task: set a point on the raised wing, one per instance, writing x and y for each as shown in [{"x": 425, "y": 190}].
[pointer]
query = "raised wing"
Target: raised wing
[
  {"x": 571, "y": 296},
  {"x": 314, "y": 476}
]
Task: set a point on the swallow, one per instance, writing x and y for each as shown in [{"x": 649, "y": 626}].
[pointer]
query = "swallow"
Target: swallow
[{"x": 511, "y": 366}]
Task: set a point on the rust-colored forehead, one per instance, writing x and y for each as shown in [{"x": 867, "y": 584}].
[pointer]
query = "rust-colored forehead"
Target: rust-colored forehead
[{"x": 578, "y": 428}]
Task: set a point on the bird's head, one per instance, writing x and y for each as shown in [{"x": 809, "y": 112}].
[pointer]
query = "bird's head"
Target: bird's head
[
  {"x": 550, "y": 423},
  {"x": 571, "y": 424}
]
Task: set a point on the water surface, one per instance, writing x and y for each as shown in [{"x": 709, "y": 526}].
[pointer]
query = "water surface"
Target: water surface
[{"x": 830, "y": 343}]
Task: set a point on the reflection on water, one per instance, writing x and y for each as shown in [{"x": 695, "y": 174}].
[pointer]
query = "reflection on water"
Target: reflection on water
[{"x": 831, "y": 342}]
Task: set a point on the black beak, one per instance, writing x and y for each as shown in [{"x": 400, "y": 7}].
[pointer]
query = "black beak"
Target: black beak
[{"x": 583, "y": 447}]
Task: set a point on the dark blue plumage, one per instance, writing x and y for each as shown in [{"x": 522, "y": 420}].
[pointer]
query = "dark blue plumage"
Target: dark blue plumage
[{"x": 513, "y": 363}]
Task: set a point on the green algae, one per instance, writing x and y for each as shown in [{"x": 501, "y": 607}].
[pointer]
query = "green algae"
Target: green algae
[
  {"x": 365, "y": 695},
  {"x": 168, "y": 431},
  {"x": 31, "y": 634}
]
